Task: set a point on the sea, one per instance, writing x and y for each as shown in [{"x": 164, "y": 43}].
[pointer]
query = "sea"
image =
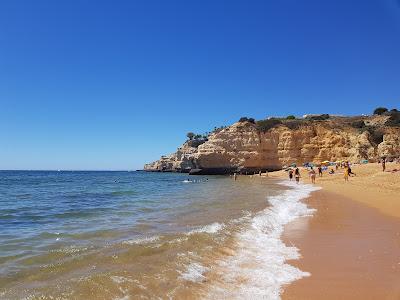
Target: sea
[{"x": 140, "y": 235}]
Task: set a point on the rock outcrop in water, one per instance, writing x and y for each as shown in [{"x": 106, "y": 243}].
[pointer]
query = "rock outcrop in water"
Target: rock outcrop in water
[{"x": 245, "y": 147}]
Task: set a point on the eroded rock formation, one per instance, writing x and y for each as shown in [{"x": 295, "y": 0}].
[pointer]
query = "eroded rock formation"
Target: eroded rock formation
[{"x": 243, "y": 147}]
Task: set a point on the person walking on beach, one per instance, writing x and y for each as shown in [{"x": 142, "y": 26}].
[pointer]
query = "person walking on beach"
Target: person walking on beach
[
  {"x": 234, "y": 176},
  {"x": 350, "y": 171},
  {"x": 320, "y": 171},
  {"x": 290, "y": 175},
  {"x": 297, "y": 175},
  {"x": 312, "y": 175},
  {"x": 383, "y": 165},
  {"x": 346, "y": 173}
]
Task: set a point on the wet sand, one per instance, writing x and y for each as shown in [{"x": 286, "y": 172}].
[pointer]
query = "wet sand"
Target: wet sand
[
  {"x": 351, "y": 250},
  {"x": 351, "y": 246}
]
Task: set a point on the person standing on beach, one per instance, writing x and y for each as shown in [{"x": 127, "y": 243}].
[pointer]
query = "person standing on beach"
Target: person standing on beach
[
  {"x": 319, "y": 171},
  {"x": 312, "y": 175},
  {"x": 234, "y": 176},
  {"x": 290, "y": 175},
  {"x": 383, "y": 165},
  {"x": 297, "y": 175},
  {"x": 346, "y": 173}
]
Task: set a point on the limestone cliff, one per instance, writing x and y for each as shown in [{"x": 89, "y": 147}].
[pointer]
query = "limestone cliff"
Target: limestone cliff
[{"x": 243, "y": 147}]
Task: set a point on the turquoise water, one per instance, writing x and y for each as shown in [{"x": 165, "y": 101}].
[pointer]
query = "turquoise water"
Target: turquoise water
[{"x": 59, "y": 227}]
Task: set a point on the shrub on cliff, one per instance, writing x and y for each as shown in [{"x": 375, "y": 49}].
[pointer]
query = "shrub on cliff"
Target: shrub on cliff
[
  {"x": 290, "y": 117},
  {"x": 197, "y": 142},
  {"x": 380, "y": 110},
  {"x": 394, "y": 119},
  {"x": 218, "y": 129},
  {"x": 246, "y": 119},
  {"x": 190, "y": 135},
  {"x": 265, "y": 125},
  {"x": 319, "y": 117},
  {"x": 358, "y": 124},
  {"x": 294, "y": 124}
]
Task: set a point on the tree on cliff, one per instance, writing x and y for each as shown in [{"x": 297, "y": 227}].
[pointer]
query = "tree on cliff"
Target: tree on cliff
[
  {"x": 380, "y": 110},
  {"x": 246, "y": 119},
  {"x": 190, "y": 135}
]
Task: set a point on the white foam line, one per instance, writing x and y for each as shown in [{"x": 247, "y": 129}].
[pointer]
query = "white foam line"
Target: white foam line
[
  {"x": 194, "y": 272},
  {"x": 258, "y": 270},
  {"x": 210, "y": 228},
  {"x": 144, "y": 240}
]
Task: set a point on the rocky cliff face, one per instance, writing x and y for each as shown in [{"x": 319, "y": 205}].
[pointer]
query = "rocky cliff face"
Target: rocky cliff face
[
  {"x": 180, "y": 161},
  {"x": 243, "y": 147}
]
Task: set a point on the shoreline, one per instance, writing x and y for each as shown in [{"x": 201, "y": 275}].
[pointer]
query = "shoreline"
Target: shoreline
[
  {"x": 351, "y": 244},
  {"x": 370, "y": 186},
  {"x": 350, "y": 250}
]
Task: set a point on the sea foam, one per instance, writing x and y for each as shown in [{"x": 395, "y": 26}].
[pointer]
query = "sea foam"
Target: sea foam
[
  {"x": 258, "y": 270},
  {"x": 144, "y": 240},
  {"x": 194, "y": 272},
  {"x": 210, "y": 228}
]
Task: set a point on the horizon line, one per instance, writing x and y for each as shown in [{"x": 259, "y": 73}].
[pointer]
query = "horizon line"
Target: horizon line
[{"x": 69, "y": 170}]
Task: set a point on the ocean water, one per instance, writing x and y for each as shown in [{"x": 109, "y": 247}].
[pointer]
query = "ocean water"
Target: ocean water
[{"x": 136, "y": 235}]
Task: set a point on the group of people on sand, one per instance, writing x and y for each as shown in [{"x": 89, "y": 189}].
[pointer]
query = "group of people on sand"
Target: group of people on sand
[
  {"x": 348, "y": 172},
  {"x": 313, "y": 174},
  {"x": 296, "y": 175}
]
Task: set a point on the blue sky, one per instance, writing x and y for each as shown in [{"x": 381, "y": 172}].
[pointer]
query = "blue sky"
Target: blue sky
[{"x": 115, "y": 84}]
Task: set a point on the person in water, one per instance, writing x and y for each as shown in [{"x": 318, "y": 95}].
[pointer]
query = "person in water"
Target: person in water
[
  {"x": 312, "y": 175},
  {"x": 297, "y": 175},
  {"x": 290, "y": 175}
]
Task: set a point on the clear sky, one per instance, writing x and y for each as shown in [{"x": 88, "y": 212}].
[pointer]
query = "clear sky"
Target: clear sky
[{"x": 115, "y": 84}]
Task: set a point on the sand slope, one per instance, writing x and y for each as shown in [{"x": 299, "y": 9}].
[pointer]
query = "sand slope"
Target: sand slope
[{"x": 371, "y": 186}]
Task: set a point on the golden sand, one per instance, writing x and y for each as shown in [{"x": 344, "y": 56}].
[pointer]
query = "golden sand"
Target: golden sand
[
  {"x": 370, "y": 186},
  {"x": 351, "y": 250},
  {"x": 351, "y": 246}
]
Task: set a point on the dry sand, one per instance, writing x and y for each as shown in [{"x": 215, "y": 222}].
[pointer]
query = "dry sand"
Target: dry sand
[
  {"x": 370, "y": 186},
  {"x": 351, "y": 246}
]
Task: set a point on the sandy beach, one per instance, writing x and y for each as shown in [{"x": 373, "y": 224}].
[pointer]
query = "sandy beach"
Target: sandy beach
[{"x": 351, "y": 246}]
